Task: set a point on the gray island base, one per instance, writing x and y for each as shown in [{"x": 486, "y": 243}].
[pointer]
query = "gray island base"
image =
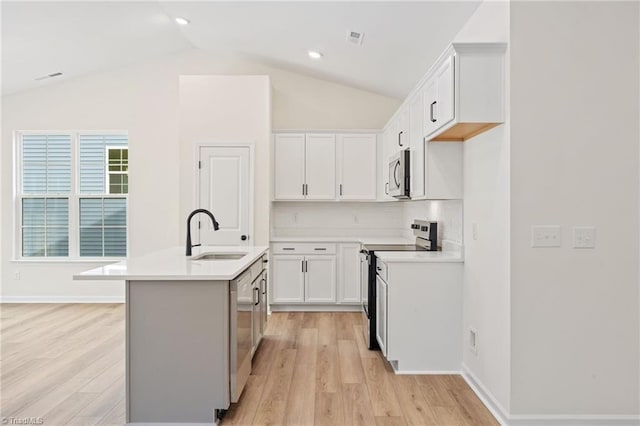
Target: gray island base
[{"x": 192, "y": 327}]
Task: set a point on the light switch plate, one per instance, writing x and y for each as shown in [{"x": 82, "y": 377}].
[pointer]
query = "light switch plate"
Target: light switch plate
[
  {"x": 584, "y": 237},
  {"x": 546, "y": 236}
]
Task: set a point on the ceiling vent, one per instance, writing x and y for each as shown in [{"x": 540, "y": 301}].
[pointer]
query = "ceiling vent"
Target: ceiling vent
[
  {"x": 44, "y": 77},
  {"x": 355, "y": 37}
]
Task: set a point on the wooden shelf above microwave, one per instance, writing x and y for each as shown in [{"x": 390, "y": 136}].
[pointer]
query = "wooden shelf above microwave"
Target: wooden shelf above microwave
[{"x": 461, "y": 132}]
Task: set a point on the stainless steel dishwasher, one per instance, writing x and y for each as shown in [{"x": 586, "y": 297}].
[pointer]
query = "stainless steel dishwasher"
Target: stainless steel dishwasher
[{"x": 240, "y": 312}]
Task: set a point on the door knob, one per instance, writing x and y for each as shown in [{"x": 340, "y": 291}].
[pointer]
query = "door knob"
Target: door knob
[{"x": 244, "y": 238}]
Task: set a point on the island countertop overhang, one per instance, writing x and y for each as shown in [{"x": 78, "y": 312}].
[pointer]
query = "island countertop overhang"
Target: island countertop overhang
[{"x": 172, "y": 265}]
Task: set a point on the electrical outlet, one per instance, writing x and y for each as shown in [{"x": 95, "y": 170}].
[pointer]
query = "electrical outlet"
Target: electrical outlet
[
  {"x": 355, "y": 218},
  {"x": 584, "y": 237},
  {"x": 295, "y": 218},
  {"x": 17, "y": 275},
  {"x": 474, "y": 230},
  {"x": 546, "y": 236},
  {"x": 473, "y": 341}
]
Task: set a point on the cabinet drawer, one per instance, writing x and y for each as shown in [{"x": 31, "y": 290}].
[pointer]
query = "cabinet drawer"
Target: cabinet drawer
[
  {"x": 381, "y": 269},
  {"x": 303, "y": 248}
]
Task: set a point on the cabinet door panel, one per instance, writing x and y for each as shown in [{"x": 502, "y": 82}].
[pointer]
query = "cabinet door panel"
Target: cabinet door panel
[
  {"x": 288, "y": 279},
  {"x": 444, "y": 83},
  {"x": 357, "y": 167},
  {"x": 381, "y": 315},
  {"x": 430, "y": 94},
  {"x": 320, "y": 279},
  {"x": 289, "y": 166},
  {"x": 349, "y": 274},
  {"x": 320, "y": 167},
  {"x": 417, "y": 146}
]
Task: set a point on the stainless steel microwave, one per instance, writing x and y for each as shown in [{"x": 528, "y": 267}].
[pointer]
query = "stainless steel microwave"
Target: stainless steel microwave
[{"x": 399, "y": 166}]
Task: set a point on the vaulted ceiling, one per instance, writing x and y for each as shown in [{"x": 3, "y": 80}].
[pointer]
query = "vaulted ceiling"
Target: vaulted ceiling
[{"x": 401, "y": 39}]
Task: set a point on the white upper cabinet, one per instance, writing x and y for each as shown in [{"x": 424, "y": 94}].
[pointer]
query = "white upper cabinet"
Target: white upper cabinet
[
  {"x": 356, "y": 160},
  {"x": 304, "y": 166},
  {"x": 464, "y": 92},
  {"x": 323, "y": 166},
  {"x": 289, "y": 181},
  {"x": 320, "y": 167}
]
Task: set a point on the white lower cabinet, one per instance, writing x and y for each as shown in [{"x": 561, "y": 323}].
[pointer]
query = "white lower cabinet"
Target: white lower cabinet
[
  {"x": 419, "y": 316},
  {"x": 349, "y": 274},
  {"x": 288, "y": 279},
  {"x": 320, "y": 279},
  {"x": 316, "y": 274},
  {"x": 304, "y": 279}
]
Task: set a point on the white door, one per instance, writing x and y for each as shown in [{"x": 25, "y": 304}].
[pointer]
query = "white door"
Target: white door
[
  {"x": 444, "y": 110},
  {"x": 357, "y": 167},
  {"x": 320, "y": 279},
  {"x": 417, "y": 146},
  {"x": 349, "y": 274},
  {"x": 287, "y": 282},
  {"x": 225, "y": 192},
  {"x": 320, "y": 153},
  {"x": 289, "y": 164}
]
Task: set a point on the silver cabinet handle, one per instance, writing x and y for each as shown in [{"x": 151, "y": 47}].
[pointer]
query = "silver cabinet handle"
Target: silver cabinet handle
[
  {"x": 386, "y": 188},
  {"x": 433, "y": 114},
  {"x": 320, "y": 249},
  {"x": 400, "y": 138},
  {"x": 341, "y": 190}
]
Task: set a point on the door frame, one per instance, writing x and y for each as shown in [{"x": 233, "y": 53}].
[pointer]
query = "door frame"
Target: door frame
[{"x": 229, "y": 144}]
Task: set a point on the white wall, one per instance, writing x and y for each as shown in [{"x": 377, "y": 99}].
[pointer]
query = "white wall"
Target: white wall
[
  {"x": 486, "y": 304},
  {"x": 574, "y": 161},
  {"x": 227, "y": 109},
  {"x": 144, "y": 99}
]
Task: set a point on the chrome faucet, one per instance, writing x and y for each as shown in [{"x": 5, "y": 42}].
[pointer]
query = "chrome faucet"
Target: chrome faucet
[{"x": 216, "y": 226}]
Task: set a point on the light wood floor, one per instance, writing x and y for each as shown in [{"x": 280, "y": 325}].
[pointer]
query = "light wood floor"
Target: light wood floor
[{"x": 65, "y": 363}]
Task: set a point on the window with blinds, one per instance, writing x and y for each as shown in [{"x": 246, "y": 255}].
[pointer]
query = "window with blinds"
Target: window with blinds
[
  {"x": 73, "y": 208},
  {"x": 46, "y": 189}
]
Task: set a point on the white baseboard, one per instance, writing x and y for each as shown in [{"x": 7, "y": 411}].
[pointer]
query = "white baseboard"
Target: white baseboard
[
  {"x": 485, "y": 396},
  {"x": 573, "y": 420},
  {"x": 540, "y": 419},
  {"x": 62, "y": 299},
  {"x": 315, "y": 308}
]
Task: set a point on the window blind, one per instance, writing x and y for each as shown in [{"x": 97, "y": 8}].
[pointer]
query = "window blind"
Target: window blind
[
  {"x": 46, "y": 164},
  {"x": 93, "y": 160},
  {"x": 103, "y": 227}
]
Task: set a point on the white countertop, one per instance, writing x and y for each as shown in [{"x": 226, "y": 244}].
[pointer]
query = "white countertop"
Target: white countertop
[
  {"x": 172, "y": 264},
  {"x": 419, "y": 256},
  {"x": 361, "y": 240}
]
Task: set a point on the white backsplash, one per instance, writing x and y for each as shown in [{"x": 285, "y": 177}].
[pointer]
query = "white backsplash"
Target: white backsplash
[
  {"x": 330, "y": 219},
  {"x": 327, "y": 219},
  {"x": 448, "y": 214}
]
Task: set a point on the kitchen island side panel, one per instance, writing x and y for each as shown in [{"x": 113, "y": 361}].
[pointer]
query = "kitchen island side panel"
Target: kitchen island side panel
[{"x": 177, "y": 350}]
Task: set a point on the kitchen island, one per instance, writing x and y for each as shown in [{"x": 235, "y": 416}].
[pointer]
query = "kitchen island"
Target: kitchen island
[{"x": 192, "y": 325}]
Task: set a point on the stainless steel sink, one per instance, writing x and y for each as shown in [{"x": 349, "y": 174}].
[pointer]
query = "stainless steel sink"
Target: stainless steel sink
[{"x": 219, "y": 256}]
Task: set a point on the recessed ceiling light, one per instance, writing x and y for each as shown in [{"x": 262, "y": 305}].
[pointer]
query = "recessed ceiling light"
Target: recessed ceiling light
[
  {"x": 313, "y": 54},
  {"x": 183, "y": 21}
]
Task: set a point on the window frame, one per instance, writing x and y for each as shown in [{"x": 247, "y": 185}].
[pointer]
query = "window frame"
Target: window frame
[{"x": 74, "y": 198}]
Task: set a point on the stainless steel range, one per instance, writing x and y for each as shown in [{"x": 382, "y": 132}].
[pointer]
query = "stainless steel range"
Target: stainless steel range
[{"x": 426, "y": 240}]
